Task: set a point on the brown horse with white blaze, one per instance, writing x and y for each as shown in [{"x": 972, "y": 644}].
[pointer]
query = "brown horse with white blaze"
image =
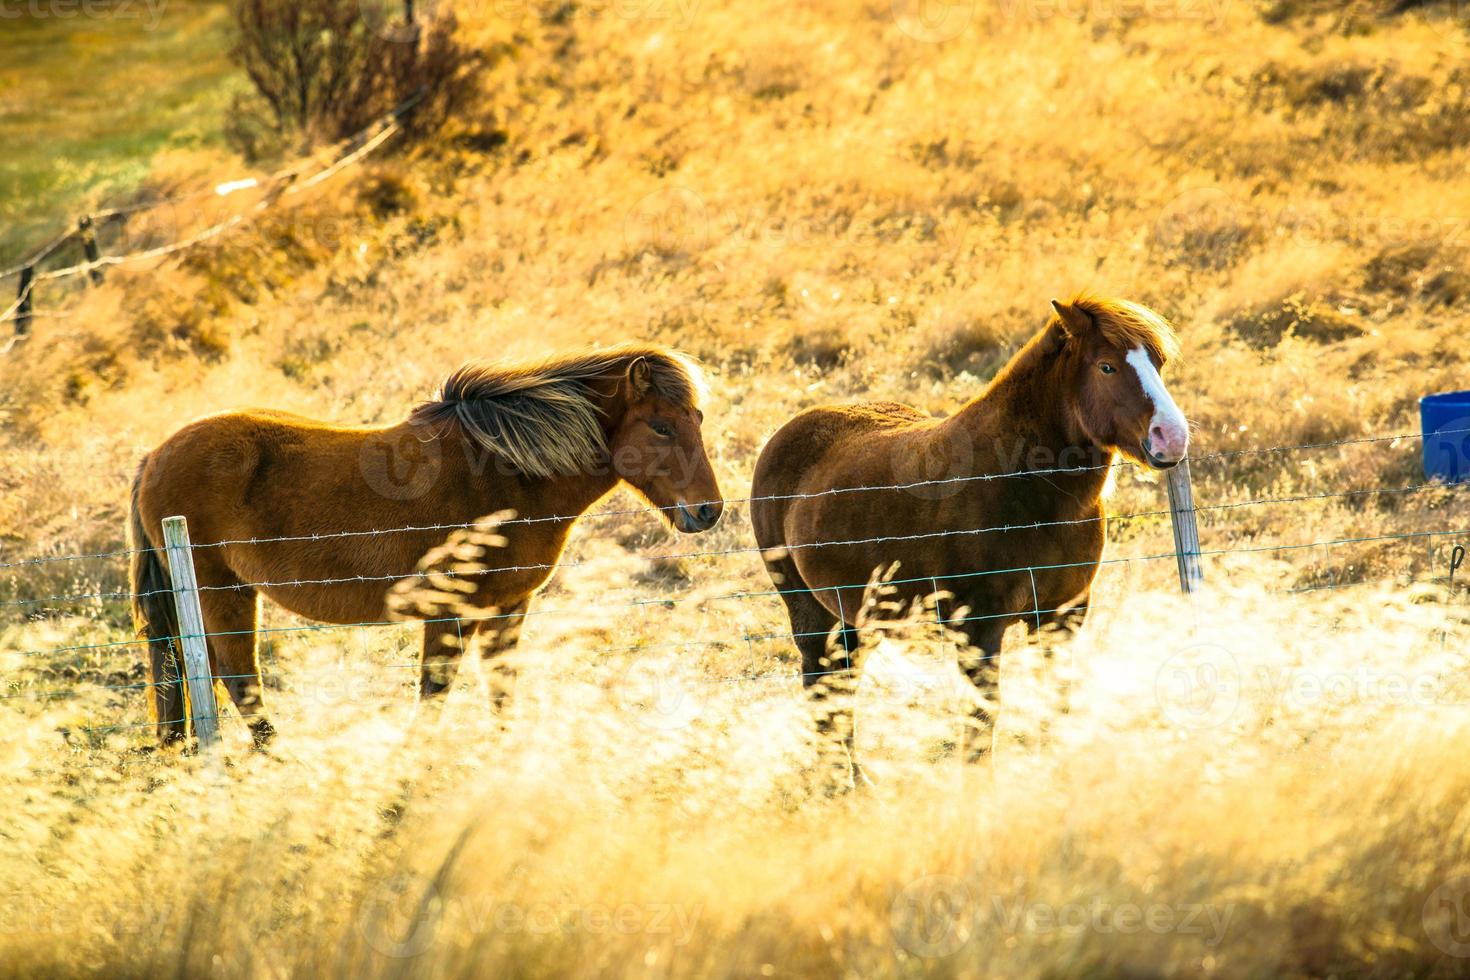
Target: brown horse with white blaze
[
  {"x": 836, "y": 496},
  {"x": 324, "y": 519}
]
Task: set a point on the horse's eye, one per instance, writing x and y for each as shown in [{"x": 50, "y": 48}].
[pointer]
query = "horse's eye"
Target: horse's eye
[
  {"x": 1107, "y": 368},
  {"x": 663, "y": 429}
]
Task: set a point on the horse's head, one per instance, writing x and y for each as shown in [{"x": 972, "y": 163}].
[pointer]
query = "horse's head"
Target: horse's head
[
  {"x": 1115, "y": 351},
  {"x": 658, "y": 448}
]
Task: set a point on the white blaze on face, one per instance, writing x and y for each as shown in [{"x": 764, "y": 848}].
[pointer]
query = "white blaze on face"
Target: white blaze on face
[{"x": 1168, "y": 432}]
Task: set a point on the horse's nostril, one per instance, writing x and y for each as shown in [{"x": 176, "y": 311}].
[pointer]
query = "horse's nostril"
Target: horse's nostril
[{"x": 706, "y": 513}]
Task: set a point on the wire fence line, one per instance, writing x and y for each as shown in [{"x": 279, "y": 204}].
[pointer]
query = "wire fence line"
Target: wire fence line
[
  {"x": 666, "y": 600},
  {"x": 836, "y": 491},
  {"x": 948, "y": 622},
  {"x": 281, "y": 184},
  {"x": 748, "y": 637},
  {"x": 727, "y": 552}
]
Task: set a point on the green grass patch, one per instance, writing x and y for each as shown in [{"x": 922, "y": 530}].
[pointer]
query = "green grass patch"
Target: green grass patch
[{"x": 90, "y": 93}]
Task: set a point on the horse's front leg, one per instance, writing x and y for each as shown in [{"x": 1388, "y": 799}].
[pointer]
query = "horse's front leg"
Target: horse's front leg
[
  {"x": 980, "y": 661},
  {"x": 501, "y": 632},
  {"x": 1055, "y": 629},
  {"x": 445, "y": 641}
]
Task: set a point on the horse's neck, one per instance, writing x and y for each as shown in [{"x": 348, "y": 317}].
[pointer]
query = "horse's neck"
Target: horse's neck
[
  {"x": 570, "y": 496},
  {"x": 545, "y": 498},
  {"x": 1021, "y": 422}
]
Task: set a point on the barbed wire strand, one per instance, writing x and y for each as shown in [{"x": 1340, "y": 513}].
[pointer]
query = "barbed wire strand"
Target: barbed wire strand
[
  {"x": 488, "y": 525},
  {"x": 389, "y": 127},
  {"x": 726, "y": 552},
  {"x": 523, "y": 615},
  {"x": 354, "y": 141},
  {"x": 631, "y": 648},
  {"x": 783, "y": 679},
  {"x": 39, "y": 255}
]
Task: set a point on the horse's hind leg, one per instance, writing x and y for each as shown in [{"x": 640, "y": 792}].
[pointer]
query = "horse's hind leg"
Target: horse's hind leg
[
  {"x": 230, "y": 618},
  {"x": 240, "y": 670},
  {"x": 445, "y": 641},
  {"x": 501, "y": 633},
  {"x": 830, "y": 661}
]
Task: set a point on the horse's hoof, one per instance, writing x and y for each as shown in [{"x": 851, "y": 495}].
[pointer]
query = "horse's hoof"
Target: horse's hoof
[
  {"x": 978, "y": 758},
  {"x": 837, "y": 788},
  {"x": 261, "y": 734}
]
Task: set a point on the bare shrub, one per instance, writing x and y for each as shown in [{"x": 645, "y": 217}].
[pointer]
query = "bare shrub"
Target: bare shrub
[{"x": 321, "y": 71}]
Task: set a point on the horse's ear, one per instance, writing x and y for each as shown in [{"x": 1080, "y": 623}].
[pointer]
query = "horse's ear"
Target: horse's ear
[
  {"x": 640, "y": 376},
  {"x": 1074, "y": 319}
]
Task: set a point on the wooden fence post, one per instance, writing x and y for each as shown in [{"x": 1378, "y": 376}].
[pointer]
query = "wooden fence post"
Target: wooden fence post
[
  {"x": 1186, "y": 531},
  {"x": 23, "y": 311},
  {"x": 89, "y": 247},
  {"x": 202, "y": 708}
]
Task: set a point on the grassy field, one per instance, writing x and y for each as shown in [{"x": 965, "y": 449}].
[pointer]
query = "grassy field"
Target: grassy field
[
  {"x": 91, "y": 94},
  {"x": 823, "y": 202}
]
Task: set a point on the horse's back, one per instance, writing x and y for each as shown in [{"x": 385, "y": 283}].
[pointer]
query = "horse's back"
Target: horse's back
[
  {"x": 210, "y": 469},
  {"x": 818, "y": 449}
]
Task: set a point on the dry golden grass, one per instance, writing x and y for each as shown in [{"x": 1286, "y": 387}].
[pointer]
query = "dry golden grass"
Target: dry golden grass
[
  {"x": 1240, "y": 794},
  {"x": 823, "y": 206}
]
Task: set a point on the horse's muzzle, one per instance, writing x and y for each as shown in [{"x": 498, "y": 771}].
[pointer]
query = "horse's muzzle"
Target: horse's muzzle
[
  {"x": 1157, "y": 462},
  {"x": 692, "y": 520}
]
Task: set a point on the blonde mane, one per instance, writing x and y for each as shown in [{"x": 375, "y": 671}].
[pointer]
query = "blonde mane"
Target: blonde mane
[
  {"x": 543, "y": 417},
  {"x": 1128, "y": 325}
]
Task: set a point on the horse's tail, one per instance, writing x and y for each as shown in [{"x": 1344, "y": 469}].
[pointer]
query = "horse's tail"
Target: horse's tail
[{"x": 156, "y": 620}]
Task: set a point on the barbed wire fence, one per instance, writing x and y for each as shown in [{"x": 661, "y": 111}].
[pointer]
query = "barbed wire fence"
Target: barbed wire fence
[
  {"x": 1187, "y": 554},
  {"x": 281, "y": 185}
]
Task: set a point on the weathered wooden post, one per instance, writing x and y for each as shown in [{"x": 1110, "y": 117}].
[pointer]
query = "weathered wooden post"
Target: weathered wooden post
[
  {"x": 89, "y": 248},
  {"x": 23, "y": 310},
  {"x": 202, "y": 709},
  {"x": 1186, "y": 531}
]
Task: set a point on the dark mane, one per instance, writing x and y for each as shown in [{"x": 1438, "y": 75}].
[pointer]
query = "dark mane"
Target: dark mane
[{"x": 542, "y": 416}]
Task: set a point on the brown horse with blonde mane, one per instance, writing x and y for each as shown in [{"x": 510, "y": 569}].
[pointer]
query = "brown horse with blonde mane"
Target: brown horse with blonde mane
[
  {"x": 994, "y": 514},
  {"x": 324, "y": 519}
]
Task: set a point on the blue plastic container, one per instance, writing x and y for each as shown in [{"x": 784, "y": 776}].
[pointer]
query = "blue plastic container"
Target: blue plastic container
[{"x": 1446, "y": 422}]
